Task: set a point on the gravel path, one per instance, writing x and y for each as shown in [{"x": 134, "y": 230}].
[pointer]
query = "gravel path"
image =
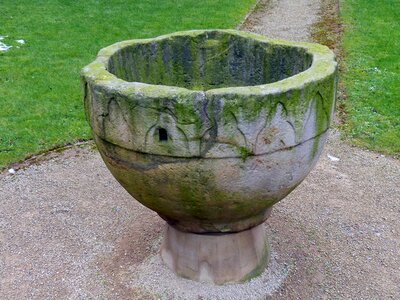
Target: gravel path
[
  {"x": 69, "y": 231},
  {"x": 285, "y": 19}
]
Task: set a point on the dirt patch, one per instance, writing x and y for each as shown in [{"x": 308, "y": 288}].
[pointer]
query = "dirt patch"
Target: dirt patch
[
  {"x": 66, "y": 151},
  {"x": 329, "y": 28},
  {"x": 129, "y": 252}
]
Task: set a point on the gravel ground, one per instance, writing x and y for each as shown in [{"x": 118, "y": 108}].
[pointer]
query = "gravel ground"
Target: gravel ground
[
  {"x": 156, "y": 278},
  {"x": 69, "y": 231}
]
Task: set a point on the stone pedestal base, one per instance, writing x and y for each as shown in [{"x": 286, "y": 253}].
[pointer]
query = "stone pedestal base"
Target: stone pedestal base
[{"x": 216, "y": 258}]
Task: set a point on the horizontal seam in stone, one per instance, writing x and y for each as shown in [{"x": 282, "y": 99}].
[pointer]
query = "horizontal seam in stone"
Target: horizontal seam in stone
[{"x": 225, "y": 157}]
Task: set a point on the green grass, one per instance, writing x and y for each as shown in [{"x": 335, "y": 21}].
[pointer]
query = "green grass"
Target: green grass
[
  {"x": 40, "y": 95},
  {"x": 372, "y": 73}
]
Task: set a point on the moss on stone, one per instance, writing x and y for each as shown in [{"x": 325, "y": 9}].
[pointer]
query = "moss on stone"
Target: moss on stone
[
  {"x": 260, "y": 267},
  {"x": 205, "y": 79},
  {"x": 244, "y": 153}
]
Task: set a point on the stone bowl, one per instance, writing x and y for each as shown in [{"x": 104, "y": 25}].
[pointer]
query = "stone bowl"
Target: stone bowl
[{"x": 210, "y": 128}]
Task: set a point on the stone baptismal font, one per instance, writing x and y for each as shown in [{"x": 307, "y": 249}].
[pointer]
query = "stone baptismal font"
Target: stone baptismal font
[{"x": 211, "y": 128}]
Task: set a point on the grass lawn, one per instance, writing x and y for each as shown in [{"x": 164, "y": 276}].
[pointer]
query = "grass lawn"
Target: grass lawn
[
  {"x": 40, "y": 95},
  {"x": 372, "y": 73}
]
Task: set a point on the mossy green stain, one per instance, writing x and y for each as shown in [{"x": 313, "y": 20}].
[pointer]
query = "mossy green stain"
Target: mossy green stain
[{"x": 244, "y": 153}]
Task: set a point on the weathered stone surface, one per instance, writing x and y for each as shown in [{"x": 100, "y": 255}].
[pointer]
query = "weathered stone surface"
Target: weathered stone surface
[
  {"x": 210, "y": 128},
  {"x": 222, "y": 119},
  {"x": 218, "y": 259},
  {"x": 210, "y": 160},
  {"x": 211, "y": 195}
]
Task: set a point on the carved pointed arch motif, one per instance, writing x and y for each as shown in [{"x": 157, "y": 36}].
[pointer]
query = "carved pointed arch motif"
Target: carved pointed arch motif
[
  {"x": 278, "y": 133},
  {"x": 317, "y": 119},
  {"x": 176, "y": 142}
]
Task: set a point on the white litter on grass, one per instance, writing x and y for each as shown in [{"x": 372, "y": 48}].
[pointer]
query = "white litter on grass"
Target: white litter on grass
[
  {"x": 376, "y": 69},
  {"x": 333, "y": 158},
  {"x": 4, "y": 47},
  {"x": 11, "y": 171}
]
